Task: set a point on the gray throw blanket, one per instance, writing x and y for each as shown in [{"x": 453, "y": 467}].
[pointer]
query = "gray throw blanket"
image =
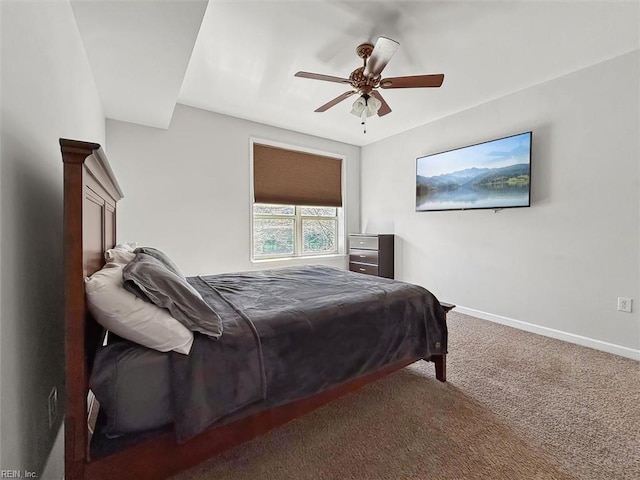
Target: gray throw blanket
[{"x": 293, "y": 332}]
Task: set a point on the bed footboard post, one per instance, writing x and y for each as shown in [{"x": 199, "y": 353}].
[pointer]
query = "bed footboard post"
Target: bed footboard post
[
  {"x": 440, "y": 360},
  {"x": 441, "y": 367}
]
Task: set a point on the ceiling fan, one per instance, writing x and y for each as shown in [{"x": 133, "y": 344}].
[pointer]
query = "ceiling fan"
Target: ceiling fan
[{"x": 366, "y": 79}]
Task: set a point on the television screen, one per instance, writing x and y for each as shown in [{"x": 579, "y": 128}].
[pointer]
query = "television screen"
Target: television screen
[{"x": 494, "y": 174}]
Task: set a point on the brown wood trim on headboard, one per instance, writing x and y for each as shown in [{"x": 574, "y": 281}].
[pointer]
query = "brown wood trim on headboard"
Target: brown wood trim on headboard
[{"x": 90, "y": 196}]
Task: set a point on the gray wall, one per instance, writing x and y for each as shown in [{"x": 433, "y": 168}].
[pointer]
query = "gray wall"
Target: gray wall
[
  {"x": 557, "y": 266},
  {"x": 187, "y": 188},
  {"x": 47, "y": 92}
]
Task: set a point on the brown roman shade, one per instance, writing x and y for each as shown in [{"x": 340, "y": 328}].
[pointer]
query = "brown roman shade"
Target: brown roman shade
[{"x": 289, "y": 177}]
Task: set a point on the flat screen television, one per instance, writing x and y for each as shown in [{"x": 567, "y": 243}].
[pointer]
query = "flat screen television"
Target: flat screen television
[{"x": 493, "y": 175}]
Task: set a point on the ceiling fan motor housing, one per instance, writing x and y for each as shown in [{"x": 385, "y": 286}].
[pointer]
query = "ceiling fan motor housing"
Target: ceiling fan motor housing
[{"x": 360, "y": 82}]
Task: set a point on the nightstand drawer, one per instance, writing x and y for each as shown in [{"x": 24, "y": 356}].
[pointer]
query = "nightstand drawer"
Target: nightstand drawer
[
  {"x": 363, "y": 256},
  {"x": 363, "y": 241},
  {"x": 363, "y": 268}
]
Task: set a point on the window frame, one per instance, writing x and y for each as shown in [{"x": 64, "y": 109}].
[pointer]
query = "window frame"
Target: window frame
[
  {"x": 298, "y": 235},
  {"x": 340, "y": 218}
]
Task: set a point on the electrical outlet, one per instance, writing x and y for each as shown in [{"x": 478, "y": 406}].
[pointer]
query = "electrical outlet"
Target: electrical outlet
[
  {"x": 53, "y": 406},
  {"x": 624, "y": 304}
]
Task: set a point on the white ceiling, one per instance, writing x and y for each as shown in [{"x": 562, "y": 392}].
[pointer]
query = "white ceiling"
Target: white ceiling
[
  {"x": 246, "y": 53},
  {"x": 138, "y": 52}
]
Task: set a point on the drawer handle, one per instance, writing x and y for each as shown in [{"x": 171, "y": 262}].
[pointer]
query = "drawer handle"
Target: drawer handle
[
  {"x": 363, "y": 256},
  {"x": 362, "y": 269},
  {"x": 361, "y": 243}
]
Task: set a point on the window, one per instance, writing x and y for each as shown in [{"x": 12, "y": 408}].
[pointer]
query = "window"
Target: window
[
  {"x": 297, "y": 200},
  {"x": 289, "y": 231}
]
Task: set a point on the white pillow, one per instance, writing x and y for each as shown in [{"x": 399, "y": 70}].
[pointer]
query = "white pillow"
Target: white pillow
[
  {"x": 128, "y": 246},
  {"x": 119, "y": 256},
  {"x": 129, "y": 316}
]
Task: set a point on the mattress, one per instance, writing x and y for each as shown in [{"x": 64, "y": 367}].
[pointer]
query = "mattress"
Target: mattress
[{"x": 133, "y": 386}]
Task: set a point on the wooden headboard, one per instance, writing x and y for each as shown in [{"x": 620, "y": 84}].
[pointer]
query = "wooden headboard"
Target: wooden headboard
[{"x": 91, "y": 193}]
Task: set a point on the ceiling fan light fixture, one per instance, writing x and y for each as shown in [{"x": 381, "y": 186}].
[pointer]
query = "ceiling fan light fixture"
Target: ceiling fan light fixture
[
  {"x": 358, "y": 106},
  {"x": 366, "y": 106},
  {"x": 373, "y": 105}
]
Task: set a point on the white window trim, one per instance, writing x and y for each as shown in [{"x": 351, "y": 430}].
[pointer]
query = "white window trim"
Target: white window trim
[
  {"x": 342, "y": 211},
  {"x": 298, "y": 218}
]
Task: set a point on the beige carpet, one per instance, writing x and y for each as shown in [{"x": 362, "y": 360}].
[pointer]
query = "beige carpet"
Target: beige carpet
[{"x": 516, "y": 406}]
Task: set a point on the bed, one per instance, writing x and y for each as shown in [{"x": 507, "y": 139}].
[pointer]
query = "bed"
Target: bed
[{"x": 283, "y": 390}]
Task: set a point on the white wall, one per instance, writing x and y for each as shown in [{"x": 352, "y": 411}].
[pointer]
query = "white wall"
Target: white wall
[
  {"x": 187, "y": 188},
  {"x": 47, "y": 92},
  {"x": 560, "y": 264}
]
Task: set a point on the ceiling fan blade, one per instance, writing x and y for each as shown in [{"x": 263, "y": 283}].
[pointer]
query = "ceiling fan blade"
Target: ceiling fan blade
[
  {"x": 416, "y": 81},
  {"x": 382, "y": 53},
  {"x": 335, "y": 101},
  {"x": 319, "y": 76},
  {"x": 384, "y": 108}
]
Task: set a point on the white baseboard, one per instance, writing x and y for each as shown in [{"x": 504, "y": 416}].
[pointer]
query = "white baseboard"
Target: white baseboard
[{"x": 550, "y": 332}]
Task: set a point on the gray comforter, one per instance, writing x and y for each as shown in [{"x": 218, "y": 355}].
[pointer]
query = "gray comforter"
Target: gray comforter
[{"x": 290, "y": 333}]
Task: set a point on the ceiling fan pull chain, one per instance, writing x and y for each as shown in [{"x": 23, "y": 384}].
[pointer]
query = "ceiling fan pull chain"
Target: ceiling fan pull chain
[{"x": 363, "y": 117}]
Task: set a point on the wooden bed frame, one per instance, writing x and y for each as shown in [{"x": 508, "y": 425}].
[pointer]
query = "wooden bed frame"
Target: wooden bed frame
[{"x": 91, "y": 193}]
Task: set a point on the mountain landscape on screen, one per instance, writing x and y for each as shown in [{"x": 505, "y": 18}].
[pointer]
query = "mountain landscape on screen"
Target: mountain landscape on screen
[{"x": 501, "y": 179}]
